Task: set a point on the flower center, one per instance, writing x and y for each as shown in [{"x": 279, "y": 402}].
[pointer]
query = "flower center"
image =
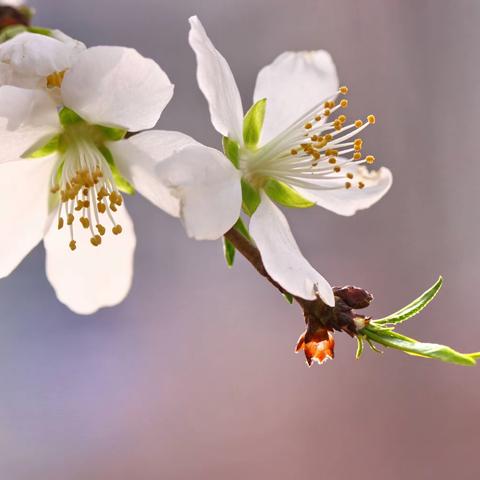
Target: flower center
[
  {"x": 86, "y": 187},
  {"x": 314, "y": 150}
]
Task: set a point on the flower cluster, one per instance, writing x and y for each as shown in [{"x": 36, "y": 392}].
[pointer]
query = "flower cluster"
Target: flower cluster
[{"x": 76, "y": 135}]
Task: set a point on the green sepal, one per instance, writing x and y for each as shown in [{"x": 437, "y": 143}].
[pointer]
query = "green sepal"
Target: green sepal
[
  {"x": 11, "y": 31},
  {"x": 122, "y": 184},
  {"x": 410, "y": 346},
  {"x": 111, "y": 134},
  {"x": 253, "y": 123},
  {"x": 69, "y": 117},
  {"x": 40, "y": 31},
  {"x": 51, "y": 146},
  {"x": 413, "y": 308},
  {"x": 288, "y": 297},
  {"x": 229, "y": 252},
  {"x": 231, "y": 150},
  {"x": 250, "y": 198},
  {"x": 284, "y": 195}
]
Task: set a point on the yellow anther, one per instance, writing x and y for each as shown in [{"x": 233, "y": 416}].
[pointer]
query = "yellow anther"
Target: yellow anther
[
  {"x": 72, "y": 245},
  {"x": 348, "y": 185},
  {"x": 101, "y": 229},
  {"x": 327, "y": 112},
  {"x": 55, "y": 79},
  {"x": 357, "y": 155},
  {"x": 70, "y": 219},
  {"x": 350, "y": 175},
  {"x": 328, "y": 137},
  {"x": 337, "y": 125},
  {"x": 55, "y": 189},
  {"x": 370, "y": 159},
  {"x": 85, "y": 222},
  {"x": 361, "y": 185},
  {"x": 343, "y": 89},
  {"x": 113, "y": 207},
  {"x": 336, "y": 169},
  {"x": 318, "y": 118},
  {"x": 101, "y": 207},
  {"x": 358, "y": 123},
  {"x": 85, "y": 192},
  {"x": 344, "y": 103},
  {"x": 117, "y": 229},
  {"x": 60, "y": 223},
  {"x": 86, "y": 204},
  {"x": 96, "y": 240},
  {"x": 342, "y": 118},
  {"x": 308, "y": 126},
  {"x": 293, "y": 151},
  {"x": 371, "y": 119},
  {"x": 332, "y": 160},
  {"x": 314, "y": 138}
]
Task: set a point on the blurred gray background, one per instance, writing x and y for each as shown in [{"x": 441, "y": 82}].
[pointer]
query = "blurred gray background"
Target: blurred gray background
[{"x": 194, "y": 375}]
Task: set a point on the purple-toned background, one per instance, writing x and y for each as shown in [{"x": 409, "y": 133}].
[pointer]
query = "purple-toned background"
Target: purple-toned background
[{"x": 194, "y": 375}]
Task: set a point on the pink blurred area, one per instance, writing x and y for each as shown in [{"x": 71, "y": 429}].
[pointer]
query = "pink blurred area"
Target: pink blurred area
[{"x": 194, "y": 375}]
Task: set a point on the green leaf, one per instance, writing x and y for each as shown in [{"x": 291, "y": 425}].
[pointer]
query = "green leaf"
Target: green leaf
[
  {"x": 250, "y": 198},
  {"x": 122, "y": 184},
  {"x": 231, "y": 150},
  {"x": 69, "y": 117},
  {"x": 413, "y": 308},
  {"x": 391, "y": 339},
  {"x": 48, "y": 148},
  {"x": 288, "y": 297},
  {"x": 253, "y": 123},
  {"x": 285, "y": 195},
  {"x": 242, "y": 228},
  {"x": 111, "y": 134},
  {"x": 229, "y": 252}
]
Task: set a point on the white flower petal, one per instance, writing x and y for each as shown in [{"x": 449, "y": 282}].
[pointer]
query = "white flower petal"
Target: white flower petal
[
  {"x": 217, "y": 83},
  {"x": 348, "y": 202},
  {"x": 27, "y": 117},
  {"x": 293, "y": 84},
  {"x": 24, "y": 213},
  {"x": 137, "y": 158},
  {"x": 281, "y": 256},
  {"x": 12, "y": 3},
  {"x": 28, "y": 58},
  {"x": 116, "y": 86},
  {"x": 208, "y": 187},
  {"x": 91, "y": 277}
]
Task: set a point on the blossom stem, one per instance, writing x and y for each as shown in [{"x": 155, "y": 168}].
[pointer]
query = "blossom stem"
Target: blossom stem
[{"x": 315, "y": 311}]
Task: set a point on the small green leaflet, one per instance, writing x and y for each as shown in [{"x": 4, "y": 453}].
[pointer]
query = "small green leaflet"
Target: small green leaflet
[
  {"x": 250, "y": 198},
  {"x": 229, "y": 252},
  {"x": 413, "y": 308},
  {"x": 229, "y": 248},
  {"x": 382, "y": 332},
  {"x": 231, "y": 150},
  {"x": 288, "y": 297},
  {"x": 253, "y": 124},
  {"x": 285, "y": 195}
]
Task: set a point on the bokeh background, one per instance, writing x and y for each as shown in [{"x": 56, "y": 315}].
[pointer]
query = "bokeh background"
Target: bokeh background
[{"x": 194, "y": 375}]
